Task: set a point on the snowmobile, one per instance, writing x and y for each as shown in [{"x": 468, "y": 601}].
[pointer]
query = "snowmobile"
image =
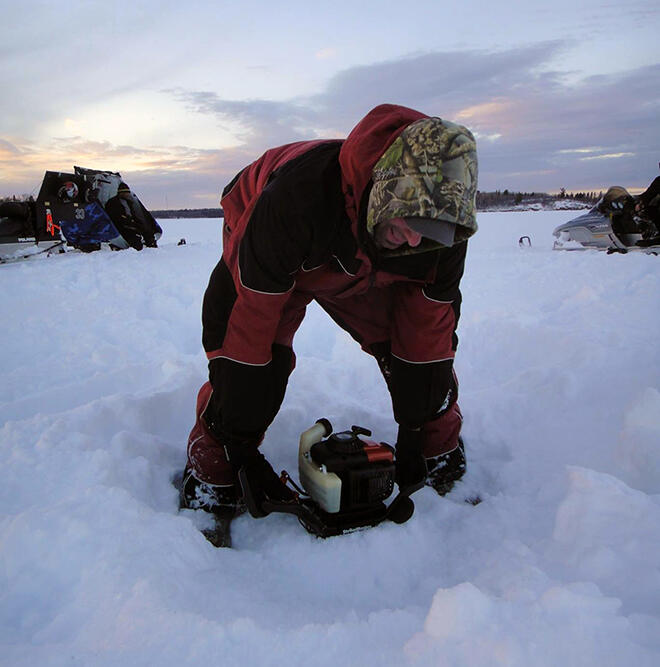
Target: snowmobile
[
  {"x": 69, "y": 210},
  {"x": 21, "y": 236},
  {"x": 611, "y": 225}
]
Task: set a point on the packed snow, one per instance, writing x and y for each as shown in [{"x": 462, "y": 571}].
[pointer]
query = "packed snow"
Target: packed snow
[{"x": 560, "y": 387}]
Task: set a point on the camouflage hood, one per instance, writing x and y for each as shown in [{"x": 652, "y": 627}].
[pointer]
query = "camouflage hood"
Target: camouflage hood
[
  {"x": 430, "y": 172},
  {"x": 365, "y": 145},
  {"x": 435, "y": 157}
]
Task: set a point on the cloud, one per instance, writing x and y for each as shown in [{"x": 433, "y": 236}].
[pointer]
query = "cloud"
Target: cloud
[
  {"x": 259, "y": 123},
  {"x": 438, "y": 83},
  {"x": 445, "y": 81},
  {"x": 161, "y": 175},
  {"x": 8, "y": 151},
  {"x": 607, "y": 156},
  {"x": 531, "y": 120},
  {"x": 325, "y": 54},
  {"x": 592, "y": 149},
  {"x": 535, "y": 125}
]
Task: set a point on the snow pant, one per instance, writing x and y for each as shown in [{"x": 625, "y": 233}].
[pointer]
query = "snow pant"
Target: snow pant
[{"x": 365, "y": 318}]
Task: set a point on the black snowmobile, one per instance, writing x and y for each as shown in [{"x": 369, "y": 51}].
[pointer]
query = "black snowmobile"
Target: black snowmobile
[
  {"x": 70, "y": 209},
  {"x": 612, "y": 225},
  {"x": 21, "y": 235}
]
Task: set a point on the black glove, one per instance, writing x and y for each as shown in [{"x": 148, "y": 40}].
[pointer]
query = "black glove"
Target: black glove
[
  {"x": 259, "y": 481},
  {"x": 411, "y": 468}
]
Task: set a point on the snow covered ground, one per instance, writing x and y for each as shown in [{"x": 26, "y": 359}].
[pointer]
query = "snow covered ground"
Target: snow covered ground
[{"x": 560, "y": 386}]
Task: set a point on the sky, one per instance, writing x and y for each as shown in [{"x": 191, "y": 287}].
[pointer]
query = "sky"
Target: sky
[{"x": 179, "y": 96}]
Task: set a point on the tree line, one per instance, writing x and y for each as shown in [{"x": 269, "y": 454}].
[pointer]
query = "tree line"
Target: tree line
[
  {"x": 188, "y": 213},
  {"x": 485, "y": 200},
  {"x": 504, "y": 198}
]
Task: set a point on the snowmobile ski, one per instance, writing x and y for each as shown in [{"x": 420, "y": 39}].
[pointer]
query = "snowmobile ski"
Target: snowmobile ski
[{"x": 23, "y": 255}]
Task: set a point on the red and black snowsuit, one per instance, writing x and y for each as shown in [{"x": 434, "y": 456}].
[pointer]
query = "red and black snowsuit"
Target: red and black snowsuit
[{"x": 295, "y": 232}]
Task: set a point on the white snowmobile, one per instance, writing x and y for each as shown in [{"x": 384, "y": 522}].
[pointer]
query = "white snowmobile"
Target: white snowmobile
[{"x": 611, "y": 225}]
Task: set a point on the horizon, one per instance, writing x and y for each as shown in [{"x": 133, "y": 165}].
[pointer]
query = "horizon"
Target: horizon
[{"x": 191, "y": 94}]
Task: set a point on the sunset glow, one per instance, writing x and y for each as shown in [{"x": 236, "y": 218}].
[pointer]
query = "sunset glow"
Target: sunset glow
[{"x": 179, "y": 97}]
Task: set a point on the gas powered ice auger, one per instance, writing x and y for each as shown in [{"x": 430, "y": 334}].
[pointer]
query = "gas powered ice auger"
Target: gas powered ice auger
[{"x": 345, "y": 480}]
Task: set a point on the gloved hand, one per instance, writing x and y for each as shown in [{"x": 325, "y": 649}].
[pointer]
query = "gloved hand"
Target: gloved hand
[
  {"x": 259, "y": 481},
  {"x": 411, "y": 468}
]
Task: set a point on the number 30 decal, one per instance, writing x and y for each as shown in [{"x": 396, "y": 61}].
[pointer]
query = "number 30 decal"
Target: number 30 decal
[{"x": 80, "y": 213}]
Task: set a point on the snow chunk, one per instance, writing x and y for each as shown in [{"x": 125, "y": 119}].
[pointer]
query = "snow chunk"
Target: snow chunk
[
  {"x": 610, "y": 534},
  {"x": 571, "y": 624},
  {"x": 457, "y": 611},
  {"x": 638, "y": 449}
]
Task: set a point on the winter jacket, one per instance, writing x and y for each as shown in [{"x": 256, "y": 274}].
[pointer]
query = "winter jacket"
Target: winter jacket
[
  {"x": 295, "y": 231},
  {"x": 650, "y": 199},
  {"x": 132, "y": 221}
]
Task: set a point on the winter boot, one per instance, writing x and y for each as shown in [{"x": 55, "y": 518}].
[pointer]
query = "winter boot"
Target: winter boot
[
  {"x": 196, "y": 495},
  {"x": 445, "y": 469},
  {"x": 223, "y": 503},
  {"x": 646, "y": 243}
]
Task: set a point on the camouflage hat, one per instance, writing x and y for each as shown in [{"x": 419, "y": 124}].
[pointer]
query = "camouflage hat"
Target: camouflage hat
[{"x": 430, "y": 171}]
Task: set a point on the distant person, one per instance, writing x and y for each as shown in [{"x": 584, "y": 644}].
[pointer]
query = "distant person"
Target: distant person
[
  {"x": 131, "y": 219},
  {"x": 32, "y": 215},
  {"x": 648, "y": 209},
  {"x": 373, "y": 228},
  {"x": 619, "y": 205}
]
